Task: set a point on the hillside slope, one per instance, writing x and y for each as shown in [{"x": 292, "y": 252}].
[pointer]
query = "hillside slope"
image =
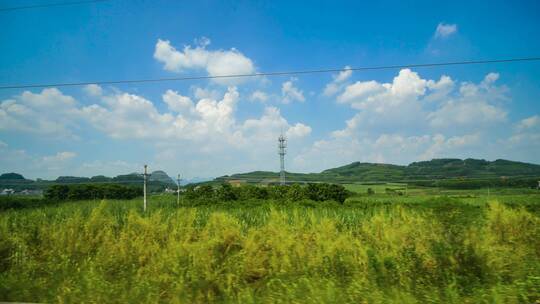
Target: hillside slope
[{"x": 423, "y": 170}]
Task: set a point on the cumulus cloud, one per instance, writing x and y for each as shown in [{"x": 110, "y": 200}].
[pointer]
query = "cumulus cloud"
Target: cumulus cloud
[
  {"x": 201, "y": 93},
  {"x": 444, "y": 30},
  {"x": 178, "y": 103},
  {"x": 529, "y": 123},
  {"x": 125, "y": 115},
  {"x": 93, "y": 90},
  {"x": 526, "y": 134},
  {"x": 21, "y": 161},
  {"x": 259, "y": 96},
  {"x": 406, "y": 86},
  {"x": 414, "y": 103},
  {"x": 215, "y": 62},
  {"x": 291, "y": 93},
  {"x": 298, "y": 130},
  {"x": 209, "y": 123},
  {"x": 412, "y": 118},
  {"x": 49, "y": 112},
  {"x": 337, "y": 83},
  {"x": 60, "y": 156},
  {"x": 476, "y": 104}
]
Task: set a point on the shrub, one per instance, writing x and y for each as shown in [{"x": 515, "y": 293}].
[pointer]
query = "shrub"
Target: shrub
[
  {"x": 277, "y": 192},
  {"x": 88, "y": 191},
  {"x": 205, "y": 191},
  {"x": 326, "y": 192},
  {"x": 226, "y": 193},
  {"x": 295, "y": 193}
]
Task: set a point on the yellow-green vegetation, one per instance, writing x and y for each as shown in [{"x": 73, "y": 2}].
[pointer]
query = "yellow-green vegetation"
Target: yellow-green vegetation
[{"x": 369, "y": 250}]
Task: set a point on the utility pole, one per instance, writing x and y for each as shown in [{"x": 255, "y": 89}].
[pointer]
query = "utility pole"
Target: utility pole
[
  {"x": 406, "y": 189},
  {"x": 178, "y": 191},
  {"x": 145, "y": 175},
  {"x": 282, "y": 145}
]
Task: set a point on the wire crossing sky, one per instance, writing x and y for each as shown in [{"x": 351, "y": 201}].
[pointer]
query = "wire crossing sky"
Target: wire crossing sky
[
  {"x": 46, "y": 5},
  {"x": 205, "y": 89},
  {"x": 287, "y": 73}
]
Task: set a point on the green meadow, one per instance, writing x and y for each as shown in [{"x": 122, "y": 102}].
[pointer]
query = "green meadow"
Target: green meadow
[{"x": 422, "y": 246}]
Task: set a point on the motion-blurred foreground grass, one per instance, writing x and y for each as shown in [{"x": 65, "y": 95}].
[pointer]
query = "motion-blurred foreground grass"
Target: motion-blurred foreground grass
[{"x": 366, "y": 251}]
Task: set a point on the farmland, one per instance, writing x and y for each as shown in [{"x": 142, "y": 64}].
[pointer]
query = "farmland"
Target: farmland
[{"x": 426, "y": 245}]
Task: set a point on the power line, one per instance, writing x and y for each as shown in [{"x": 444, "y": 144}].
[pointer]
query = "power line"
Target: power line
[
  {"x": 283, "y": 73},
  {"x": 50, "y": 5}
]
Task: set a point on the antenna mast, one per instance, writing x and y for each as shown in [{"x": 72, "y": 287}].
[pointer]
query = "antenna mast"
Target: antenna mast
[{"x": 282, "y": 150}]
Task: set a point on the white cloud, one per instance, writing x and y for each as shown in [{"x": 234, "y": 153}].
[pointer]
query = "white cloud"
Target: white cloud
[
  {"x": 178, "y": 103},
  {"x": 476, "y": 104},
  {"x": 338, "y": 82},
  {"x": 452, "y": 120},
  {"x": 60, "y": 156},
  {"x": 259, "y": 96},
  {"x": 444, "y": 30},
  {"x": 202, "y": 132},
  {"x": 526, "y": 134},
  {"x": 209, "y": 124},
  {"x": 343, "y": 75},
  {"x": 201, "y": 93},
  {"x": 298, "y": 130},
  {"x": 410, "y": 102},
  {"x": 107, "y": 168},
  {"x": 270, "y": 125},
  {"x": 466, "y": 112},
  {"x": 50, "y": 166},
  {"x": 291, "y": 93},
  {"x": 406, "y": 87},
  {"x": 49, "y": 112},
  {"x": 93, "y": 90},
  {"x": 215, "y": 62},
  {"x": 529, "y": 123}
]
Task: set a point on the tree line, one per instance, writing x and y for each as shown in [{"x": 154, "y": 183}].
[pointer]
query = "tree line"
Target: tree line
[
  {"x": 513, "y": 182},
  {"x": 294, "y": 192},
  {"x": 90, "y": 191},
  {"x": 224, "y": 192}
]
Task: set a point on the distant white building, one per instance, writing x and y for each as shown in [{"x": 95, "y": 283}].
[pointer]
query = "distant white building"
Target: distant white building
[
  {"x": 31, "y": 192},
  {"x": 169, "y": 190},
  {"x": 7, "y": 192}
]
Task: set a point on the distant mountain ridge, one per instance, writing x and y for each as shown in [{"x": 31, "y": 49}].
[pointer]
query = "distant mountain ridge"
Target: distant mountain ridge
[
  {"x": 157, "y": 179},
  {"x": 442, "y": 168},
  {"x": 160, "y": 176}
]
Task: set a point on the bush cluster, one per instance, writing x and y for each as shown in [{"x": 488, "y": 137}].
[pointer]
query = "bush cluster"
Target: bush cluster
[
  {"x": 512, "y": 182},
  {"x": 89, "y": 191},
  {"x": 295, "y": 192}
]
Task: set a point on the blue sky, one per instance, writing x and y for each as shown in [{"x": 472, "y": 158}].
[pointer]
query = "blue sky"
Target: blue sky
[{"x": 210, "y": 128}]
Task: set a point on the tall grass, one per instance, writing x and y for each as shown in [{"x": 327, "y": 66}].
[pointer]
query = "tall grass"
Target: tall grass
[{"x": 259, "y": 252}]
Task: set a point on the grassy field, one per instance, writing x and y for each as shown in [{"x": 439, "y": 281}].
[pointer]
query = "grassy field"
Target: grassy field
[{"x": 464, "y": 247}]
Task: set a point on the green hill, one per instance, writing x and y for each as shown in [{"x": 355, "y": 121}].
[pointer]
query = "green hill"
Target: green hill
[
  {"x": 158, "y": 181},
  {"x": 160, "y": 176},
  {"x": 435, "y": 169},
  {"x": 11, "y": 176}
]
